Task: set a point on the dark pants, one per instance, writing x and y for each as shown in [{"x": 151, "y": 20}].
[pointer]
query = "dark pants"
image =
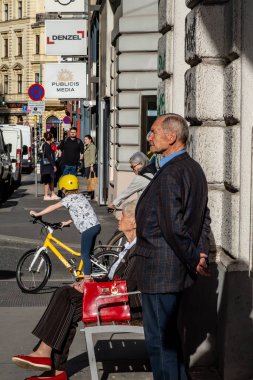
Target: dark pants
[
  {"x": 88, "y": 239},
  {"x": 160, "y": 313},
  {"x": 57, "y": 326},
  {"x": 70, "y": 169},
  {"x": 87, "y": 171}
]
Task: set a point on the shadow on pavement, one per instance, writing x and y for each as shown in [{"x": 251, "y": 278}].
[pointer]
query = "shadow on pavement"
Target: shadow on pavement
[
  {"x": 7, "y": 274},
  {"x": 8, "y": 204}
]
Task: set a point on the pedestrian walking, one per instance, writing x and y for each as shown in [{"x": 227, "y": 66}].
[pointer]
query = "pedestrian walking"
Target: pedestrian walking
[
  {"x": 90, "y": 159},
  {"x": 173, "y": 226},
  {"x": 57, "y": 327},
  {"x": 71, "y": 152},
  {"x": 82, "y": 215},
  {"x": 144, "y": 172},
  {"x": 48, "y": 168}
]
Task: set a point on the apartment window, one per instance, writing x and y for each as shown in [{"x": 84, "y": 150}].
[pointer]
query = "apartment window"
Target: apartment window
[
  {"x": 37, "y": 39},
  {"x": 6, "y": 12},
  {"x": 19, "y": 46},
  {"x": 20, "y": 9},
  {"x": 19, "y": 83},
  {"x": 6, "y": 84},
  {"x": 6, "y": 48},
  {"x": 37, "y": 78}
]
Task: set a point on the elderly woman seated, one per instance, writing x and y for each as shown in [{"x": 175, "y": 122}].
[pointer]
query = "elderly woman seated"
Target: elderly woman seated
[
  {"x": 56, "y": 329},
  {"x": 144, "y": 171}
]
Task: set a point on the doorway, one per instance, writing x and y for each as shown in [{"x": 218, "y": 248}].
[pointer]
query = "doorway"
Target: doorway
[{"x": 148, "y": 116}]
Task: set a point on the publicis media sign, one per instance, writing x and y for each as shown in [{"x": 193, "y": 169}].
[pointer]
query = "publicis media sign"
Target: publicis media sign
[
  {"x": 64, "y": 6},
  {"x": 65, "y": 80},
  {"x": 66, "y": 37}
]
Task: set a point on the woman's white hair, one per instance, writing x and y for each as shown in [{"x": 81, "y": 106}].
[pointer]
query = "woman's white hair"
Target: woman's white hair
[
  {"x": 139, "y": 158},
  {"x": 129, "y": 208}
]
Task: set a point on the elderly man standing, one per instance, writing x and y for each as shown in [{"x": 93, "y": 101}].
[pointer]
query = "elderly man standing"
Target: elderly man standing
[{"x": 173, "y": 226}]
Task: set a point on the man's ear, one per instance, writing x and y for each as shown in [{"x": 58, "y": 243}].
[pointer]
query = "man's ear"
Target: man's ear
[
  {"x": 134, "y": 223},
  {"x": 172, "y": 137}
]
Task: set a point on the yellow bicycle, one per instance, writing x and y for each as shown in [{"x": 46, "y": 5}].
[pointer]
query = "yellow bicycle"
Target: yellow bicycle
[{"x": 34, "y": 267}]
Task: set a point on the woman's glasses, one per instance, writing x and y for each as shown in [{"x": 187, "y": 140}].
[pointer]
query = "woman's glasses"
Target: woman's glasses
[{"x": 134, "y": 166}]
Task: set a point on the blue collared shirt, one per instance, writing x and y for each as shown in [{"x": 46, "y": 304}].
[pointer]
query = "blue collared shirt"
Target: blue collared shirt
[{"x": 166, "y": 159}]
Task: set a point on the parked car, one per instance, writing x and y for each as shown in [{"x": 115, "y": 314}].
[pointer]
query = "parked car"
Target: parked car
[
  {"x": 5, "y": 168},
  {"x": 27, "y": 157},
  {"x": 13, "y": 136}
]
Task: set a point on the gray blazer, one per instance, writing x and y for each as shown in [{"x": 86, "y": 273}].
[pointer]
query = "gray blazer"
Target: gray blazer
[{"x": 173, "y": 226}]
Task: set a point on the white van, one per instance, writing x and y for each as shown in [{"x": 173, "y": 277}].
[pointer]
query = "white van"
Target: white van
[
  {"x": 27, "y": 157},
  {"x": 14, "y": 137}
]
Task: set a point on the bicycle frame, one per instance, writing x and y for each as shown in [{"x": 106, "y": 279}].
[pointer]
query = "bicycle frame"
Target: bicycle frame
[{"x": 49, "y": 245}]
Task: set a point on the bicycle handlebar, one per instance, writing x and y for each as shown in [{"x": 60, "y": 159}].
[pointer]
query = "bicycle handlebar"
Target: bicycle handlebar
[{"x": 38, "y": 220}]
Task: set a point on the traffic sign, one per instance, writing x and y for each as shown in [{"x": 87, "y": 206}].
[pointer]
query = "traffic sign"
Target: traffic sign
[
  {"x": 36, "y": 92},
  {"x": 66, "y": 120},
  {"x": 36, "y": 108}
]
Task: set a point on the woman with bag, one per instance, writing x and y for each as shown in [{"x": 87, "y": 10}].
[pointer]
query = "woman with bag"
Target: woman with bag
[
  {"x": 90, "y": 166},
  {"x": 48, "y": 168},
  {"x": 57, "y": 327}
]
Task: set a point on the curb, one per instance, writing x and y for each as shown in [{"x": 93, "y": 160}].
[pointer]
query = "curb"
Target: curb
[{"x": 18, "y": 242}]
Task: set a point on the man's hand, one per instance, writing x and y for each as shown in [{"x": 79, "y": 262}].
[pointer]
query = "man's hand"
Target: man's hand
[{"x": 202, "y": 267}]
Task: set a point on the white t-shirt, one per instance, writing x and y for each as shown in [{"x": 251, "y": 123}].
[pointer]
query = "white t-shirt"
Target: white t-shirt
[{"x": 81, "y": 211}]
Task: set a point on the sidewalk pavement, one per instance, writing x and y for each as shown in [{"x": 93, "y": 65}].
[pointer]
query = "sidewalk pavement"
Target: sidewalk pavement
[{"x": 125, "y": 359}]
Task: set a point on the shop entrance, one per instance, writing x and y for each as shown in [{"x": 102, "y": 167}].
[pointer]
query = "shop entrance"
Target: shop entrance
[{"x": 53, "y": 126}]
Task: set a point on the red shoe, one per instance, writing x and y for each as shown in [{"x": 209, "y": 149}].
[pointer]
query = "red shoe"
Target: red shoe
[
  {"x": 32, "y": 362},
  {"x": 61, "y": 376}
]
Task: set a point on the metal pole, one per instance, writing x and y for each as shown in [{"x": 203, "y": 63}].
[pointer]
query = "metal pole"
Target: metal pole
[{"x": 36, "y": 156}]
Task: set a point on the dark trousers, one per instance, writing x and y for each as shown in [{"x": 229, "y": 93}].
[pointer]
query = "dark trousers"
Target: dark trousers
[
  {"x": 57, "y": 326},
  {"x": 88, "y": 239},
  {"x": 160, "y": 313}
]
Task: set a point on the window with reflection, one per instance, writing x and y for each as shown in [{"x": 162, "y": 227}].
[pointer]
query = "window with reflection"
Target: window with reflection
[
  {"x": 20, "y": 46},
  {"x": 37, "y": 41},
  {"x": 6, "y": 48},
  {"x": 6, "y": 12},
  {"x": 20, "y": 9},
  {"x": 6, "y": 84},
  {"x": 19, "y": 83}
]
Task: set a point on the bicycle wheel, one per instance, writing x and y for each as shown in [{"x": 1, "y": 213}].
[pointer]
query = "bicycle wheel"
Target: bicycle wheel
[
  {"x": 102, "y": 261},
  {"x": 117, "y": 241},
  {"x": 32, "y": 279}
]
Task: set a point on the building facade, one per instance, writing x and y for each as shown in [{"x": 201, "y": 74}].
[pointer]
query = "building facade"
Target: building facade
[
  {"x": 195, "y": 57},
  {"x": 22, "y": 56}
]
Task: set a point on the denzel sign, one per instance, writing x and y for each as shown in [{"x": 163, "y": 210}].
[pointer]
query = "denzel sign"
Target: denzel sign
[{"x": 65, "y": 37}]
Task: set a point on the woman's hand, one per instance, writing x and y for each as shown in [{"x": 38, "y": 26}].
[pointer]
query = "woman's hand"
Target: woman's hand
[
  {"x": 78, "y": 285},
  {"x": 55, "y": 169}
]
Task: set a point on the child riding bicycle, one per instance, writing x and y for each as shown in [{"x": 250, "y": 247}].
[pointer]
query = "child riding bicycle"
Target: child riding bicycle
[{"x": 82, "y": 215}]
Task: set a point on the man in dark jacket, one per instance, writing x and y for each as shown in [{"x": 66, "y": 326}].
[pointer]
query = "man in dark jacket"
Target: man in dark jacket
[
  {"x": 71, "y": 152},
  {"x": 173, "y": 226}
]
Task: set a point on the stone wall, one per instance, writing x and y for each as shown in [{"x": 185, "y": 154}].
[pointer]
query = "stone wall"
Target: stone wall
[{"x": 133, "y": 74}]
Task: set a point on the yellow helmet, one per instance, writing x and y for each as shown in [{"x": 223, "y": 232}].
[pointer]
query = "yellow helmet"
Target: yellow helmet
[{"x": 68, "y": 182}]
